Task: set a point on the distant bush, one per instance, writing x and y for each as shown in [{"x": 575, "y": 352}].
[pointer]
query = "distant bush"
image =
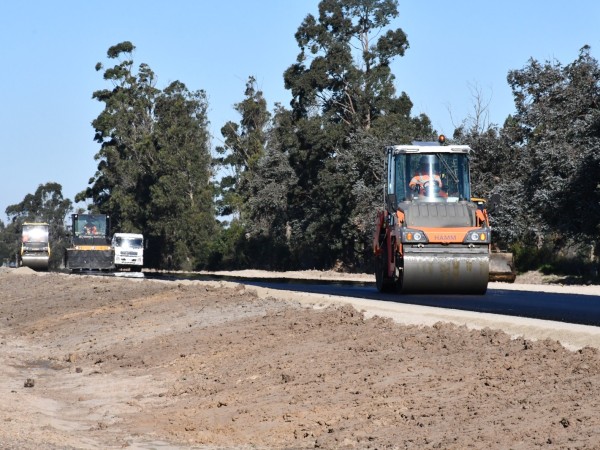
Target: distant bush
[{"x": 550, "y": 261}]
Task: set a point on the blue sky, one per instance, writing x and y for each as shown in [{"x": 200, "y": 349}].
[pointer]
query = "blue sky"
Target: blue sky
[{"x": 49, "y": 49}]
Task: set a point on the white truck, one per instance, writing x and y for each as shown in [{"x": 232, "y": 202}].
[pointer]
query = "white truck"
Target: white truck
[{"x": 129, "y": 251}]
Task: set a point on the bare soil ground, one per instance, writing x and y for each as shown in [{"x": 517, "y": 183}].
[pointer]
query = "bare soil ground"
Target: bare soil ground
[{"x": 106, "y": 362}]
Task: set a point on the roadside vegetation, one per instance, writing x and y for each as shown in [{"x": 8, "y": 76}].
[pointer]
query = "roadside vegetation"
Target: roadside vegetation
[{"x": 298, "y": 186}]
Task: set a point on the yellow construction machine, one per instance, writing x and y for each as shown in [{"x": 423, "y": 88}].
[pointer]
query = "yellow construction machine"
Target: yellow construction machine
[
  {"x": 35, "y": 246},
  {"x": 90, "y": 247}
]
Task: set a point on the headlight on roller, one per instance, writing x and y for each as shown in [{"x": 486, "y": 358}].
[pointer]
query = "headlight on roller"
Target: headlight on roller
[
  {"x": 413, "y": 236},
  {"x": 481, "y": 236}
]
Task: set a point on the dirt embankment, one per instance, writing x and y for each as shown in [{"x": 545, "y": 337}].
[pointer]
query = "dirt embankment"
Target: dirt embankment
[{"x": 104, "y": 362}]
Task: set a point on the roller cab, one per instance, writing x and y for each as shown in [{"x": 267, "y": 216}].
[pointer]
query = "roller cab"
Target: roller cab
[
  {"x": 432, "y": 237},
  {"x": 35, "y": 246}
]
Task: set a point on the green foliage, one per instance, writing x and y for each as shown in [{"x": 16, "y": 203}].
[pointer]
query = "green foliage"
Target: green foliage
[
  {"x": 244, "y": 145},
  {"x": 154, "y": 163},
  {"x": 227, "y": 249},
  {"x": 555, "y": 259},
  {"x": 181, "y": 211},
  {"x": 530, "y": 257},
  {"x": 243, "y": 148},
  {"x": 344, "y": 110},
  {"x": 7, "y": 243},
  {"x": 124, "y": 129},
  {"x": 557, "y": 126},
  {"x": 543, "y": 165},
  {"x": 301, "y": 186},
  {"x": 349, "y": 86}
]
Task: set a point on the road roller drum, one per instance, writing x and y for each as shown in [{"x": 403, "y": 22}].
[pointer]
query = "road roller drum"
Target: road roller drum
[
  {"x": 39, "y": 263},
  {"x": 446, "y": 273}
]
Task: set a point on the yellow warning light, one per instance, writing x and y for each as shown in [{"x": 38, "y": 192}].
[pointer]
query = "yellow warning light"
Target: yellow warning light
[{"x": 442, "y": 139}]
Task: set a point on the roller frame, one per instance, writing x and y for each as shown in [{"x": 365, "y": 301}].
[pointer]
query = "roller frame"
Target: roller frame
[{"x": 90, "y": 259}]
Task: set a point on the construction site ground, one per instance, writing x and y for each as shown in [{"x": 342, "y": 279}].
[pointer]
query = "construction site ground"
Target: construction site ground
[{"x": 90, "y": 362}]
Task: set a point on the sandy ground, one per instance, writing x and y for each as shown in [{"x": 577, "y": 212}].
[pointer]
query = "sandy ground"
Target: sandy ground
[{"x": 107, "y": 362}]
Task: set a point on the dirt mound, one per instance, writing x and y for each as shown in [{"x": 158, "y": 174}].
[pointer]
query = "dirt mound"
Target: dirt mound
[
  {"x": 19, "y": 271},
  {"x": 106, "y": 362}
]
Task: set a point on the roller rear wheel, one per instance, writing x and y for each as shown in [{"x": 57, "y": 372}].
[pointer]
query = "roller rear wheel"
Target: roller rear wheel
[{"x": 383, "y": 282}]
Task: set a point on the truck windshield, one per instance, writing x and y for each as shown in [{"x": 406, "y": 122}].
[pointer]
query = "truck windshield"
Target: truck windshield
[
  {"x": 129, "y": 242},
  {"x": 435, "y": 177}
]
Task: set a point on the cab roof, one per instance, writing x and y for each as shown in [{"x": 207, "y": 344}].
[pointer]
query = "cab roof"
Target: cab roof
[
  {"x": 428, "y": 147},
  {"x": 129, "y": 235}
]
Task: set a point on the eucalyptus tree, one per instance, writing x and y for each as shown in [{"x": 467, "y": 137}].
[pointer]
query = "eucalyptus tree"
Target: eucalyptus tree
[
  {"x": 497, "y": 174},
  {"x": 181, "y": 216},
  {"x": 343, "y": 68},
  {"x": 124, "y": 130},
  {"x": 244, "y": 144},
  {"x": 543, "y": 162},
  {"x": 153, "y": 163},
  {"x": 268, "y": 217},
  {"x": 556, "y": 130},
  {"x": 46, "y": 204},
  {"x": 343, "y": 96}
]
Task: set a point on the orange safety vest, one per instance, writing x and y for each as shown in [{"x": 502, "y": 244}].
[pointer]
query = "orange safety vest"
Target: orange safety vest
[{"x": 421, "y": 180}]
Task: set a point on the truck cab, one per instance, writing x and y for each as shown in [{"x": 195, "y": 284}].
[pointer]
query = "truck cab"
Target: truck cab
[{"x": 129, "y": 251}]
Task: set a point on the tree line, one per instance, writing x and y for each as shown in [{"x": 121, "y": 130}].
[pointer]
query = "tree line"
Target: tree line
[{"x": 299, "y": 186}]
